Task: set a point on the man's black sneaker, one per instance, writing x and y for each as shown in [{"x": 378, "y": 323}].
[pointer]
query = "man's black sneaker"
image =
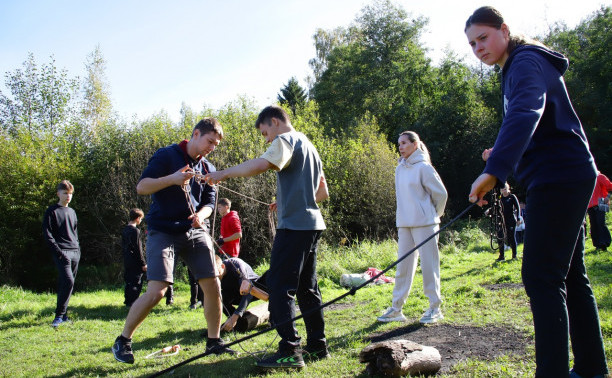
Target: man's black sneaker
[
  {"x": 315, "y": 354},
  {"x": 122, "y": 350},
  {"x": 283, "y": 360},
  {"x": 217, "y": 346}
]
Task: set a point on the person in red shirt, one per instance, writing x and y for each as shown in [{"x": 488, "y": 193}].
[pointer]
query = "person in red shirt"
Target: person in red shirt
[
  {"x": 231, "y": 229},
  {"x": 600, "y": 235}
]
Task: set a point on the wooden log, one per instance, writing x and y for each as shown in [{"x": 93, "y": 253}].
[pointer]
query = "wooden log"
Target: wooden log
[
  {"x": 400, "y": 357},
  {"x": 253, "y": 317}
]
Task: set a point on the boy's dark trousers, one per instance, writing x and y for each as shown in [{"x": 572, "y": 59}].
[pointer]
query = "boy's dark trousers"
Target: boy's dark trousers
[
  {"x": 510, "y": 239},
  {"x": 133, "y": 283},
  {"x": 196, "y": 292},
  {"x": 600, "y": 235},
  {"x": 67, "y": 267},
  {"x": 556, "y": 282},
  {"x": 292, "y": 274}
]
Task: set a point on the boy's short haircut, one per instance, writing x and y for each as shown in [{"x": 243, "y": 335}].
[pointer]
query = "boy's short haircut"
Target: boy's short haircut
[
  {"x": 65, "y": 185},
  {"x": 207, "y": 125},
  {"x": 225, "y": 202},
  {"x": 136, "y": 213},
  {"x": 269, "y": 112}
]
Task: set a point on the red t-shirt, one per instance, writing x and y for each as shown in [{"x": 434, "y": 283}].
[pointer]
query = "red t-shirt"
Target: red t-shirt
[
  {"x": 230, "y": 224},
  {"x": 602, "y": 187}
]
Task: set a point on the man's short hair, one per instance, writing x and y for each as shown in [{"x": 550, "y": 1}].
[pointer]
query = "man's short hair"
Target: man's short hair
[
  {"x": 208, "y": 125},
  {"x": 225, "y": 202},
  {"x": 269, "y": 112},
  {"x": 136, "y": 213},
  {"x": 65, "y": 185}
]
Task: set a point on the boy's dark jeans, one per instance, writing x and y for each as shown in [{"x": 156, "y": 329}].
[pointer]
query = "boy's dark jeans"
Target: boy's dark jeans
[
  {"x": 196, "y": 292},
  {"x": 67, "y": 266},
  {"x": 600, "y": 235},
  {"x": 556, "y": 282},
  {"x": 293, "y": 266},
  {"x": 133, "y": 284}
]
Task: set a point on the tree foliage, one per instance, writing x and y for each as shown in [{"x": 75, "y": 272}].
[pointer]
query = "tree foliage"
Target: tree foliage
[
  {"x": 371, "y": 81},
  {"x": 378, "y": 67},
  {"x": 292, "y": 95},
  {"x": 97, "y": 106},
  {"x": 589, "y": 78}
]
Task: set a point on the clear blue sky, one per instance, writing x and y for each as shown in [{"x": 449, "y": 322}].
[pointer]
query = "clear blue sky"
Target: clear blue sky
[{"x": 162, "y": 53}]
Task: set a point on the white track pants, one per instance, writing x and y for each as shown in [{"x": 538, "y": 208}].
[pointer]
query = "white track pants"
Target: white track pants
[{"x": 408, "y": 238}]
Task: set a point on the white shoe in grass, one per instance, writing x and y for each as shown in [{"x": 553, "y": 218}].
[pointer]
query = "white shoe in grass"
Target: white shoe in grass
[
  {"x": 392, "y": 315},
  {"x": 432, "y": 315}
]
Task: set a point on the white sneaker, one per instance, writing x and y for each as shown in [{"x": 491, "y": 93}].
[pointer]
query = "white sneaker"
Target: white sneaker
[
  {"x": 392, "y": 315},
  {"x": 431, "y": 316}
]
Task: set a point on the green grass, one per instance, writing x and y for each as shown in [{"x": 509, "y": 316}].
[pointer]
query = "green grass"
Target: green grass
[{"x": 29, "y": 347}]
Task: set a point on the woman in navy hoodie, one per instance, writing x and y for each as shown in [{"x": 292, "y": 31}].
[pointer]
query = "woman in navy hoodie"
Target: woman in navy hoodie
[{"x": 542, "y": 141}]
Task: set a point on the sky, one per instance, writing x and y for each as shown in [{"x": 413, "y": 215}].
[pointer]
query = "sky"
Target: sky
[{"x": 160, "y": 54}]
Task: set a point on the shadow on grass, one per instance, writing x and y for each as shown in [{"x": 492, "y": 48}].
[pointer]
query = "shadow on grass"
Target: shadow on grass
[
  {"x": 16, "y": 319},
  {"x": 471, "y": 272}
]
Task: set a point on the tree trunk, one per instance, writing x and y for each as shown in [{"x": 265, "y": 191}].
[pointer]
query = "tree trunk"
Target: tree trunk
[
  {"x": 399, "y": 358},
  {"x": 253, "y": 317}
]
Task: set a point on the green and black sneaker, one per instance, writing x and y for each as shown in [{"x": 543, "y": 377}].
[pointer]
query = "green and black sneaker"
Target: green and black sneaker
[
  {"x": 316, "y": 354},
  {"x": 283, "y": 360}
]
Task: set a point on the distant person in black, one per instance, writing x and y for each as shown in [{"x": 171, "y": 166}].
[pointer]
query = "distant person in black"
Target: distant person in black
[
  {"x": 511, "y": 211},
  {"x": 133, "y": 259},
  {"x": 60, "y": 233}
]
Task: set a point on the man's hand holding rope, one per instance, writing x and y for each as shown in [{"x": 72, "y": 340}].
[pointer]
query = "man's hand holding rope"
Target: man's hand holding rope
[
  {"x": 149, "y": 185},
  {"x": 197, "y": 219}
]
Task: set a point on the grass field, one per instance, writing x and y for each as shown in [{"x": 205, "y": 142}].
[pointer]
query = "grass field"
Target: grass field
[{"x": 29, "y": 347}]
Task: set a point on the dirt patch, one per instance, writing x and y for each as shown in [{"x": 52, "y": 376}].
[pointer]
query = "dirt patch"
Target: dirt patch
[
  {"x": 456, "y": 343},
  {"x": 342, "y": 306},
  {"x": 501, "y": 286}
]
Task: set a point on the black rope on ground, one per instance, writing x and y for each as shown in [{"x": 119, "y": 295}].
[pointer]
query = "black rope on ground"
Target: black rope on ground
[{"x": 350, "y": 292}]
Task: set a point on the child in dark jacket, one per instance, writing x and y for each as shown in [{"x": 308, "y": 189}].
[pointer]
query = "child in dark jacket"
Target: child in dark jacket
[{"x": 133, "y": 260}]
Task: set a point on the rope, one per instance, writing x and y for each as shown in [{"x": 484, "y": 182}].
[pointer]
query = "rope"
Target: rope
[{"x": 350, "y": 292}]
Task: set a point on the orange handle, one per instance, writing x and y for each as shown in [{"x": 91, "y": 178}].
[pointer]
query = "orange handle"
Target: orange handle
[
  {"x": 169, "y": 349},
  {"x": 247, "y": 287}
]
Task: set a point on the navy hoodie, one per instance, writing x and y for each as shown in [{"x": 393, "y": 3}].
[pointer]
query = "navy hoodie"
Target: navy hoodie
[{"x": 541, "y": 138}]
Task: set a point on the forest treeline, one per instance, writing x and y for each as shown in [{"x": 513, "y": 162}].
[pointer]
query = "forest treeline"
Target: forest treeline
[{"x": 370, "y": 81}]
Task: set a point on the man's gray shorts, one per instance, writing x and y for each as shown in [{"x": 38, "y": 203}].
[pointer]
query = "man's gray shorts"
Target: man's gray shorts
[{"x": 194, "y": 247}]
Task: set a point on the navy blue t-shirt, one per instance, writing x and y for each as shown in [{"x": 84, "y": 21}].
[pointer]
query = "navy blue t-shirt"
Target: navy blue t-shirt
[{"x": 169, "y": 211}]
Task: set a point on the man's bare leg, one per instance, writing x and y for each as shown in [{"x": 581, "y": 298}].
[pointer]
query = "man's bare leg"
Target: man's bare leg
[
  {"x": 143, "y": 306},
  {"x": 212, "y": 305}
]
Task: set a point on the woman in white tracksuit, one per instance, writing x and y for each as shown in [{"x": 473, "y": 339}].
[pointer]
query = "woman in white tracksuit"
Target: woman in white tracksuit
[{"x": 421, "y": 197}]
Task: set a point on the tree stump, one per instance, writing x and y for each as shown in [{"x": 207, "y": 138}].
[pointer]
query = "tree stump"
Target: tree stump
[
  {"x": 400, "y": 357},
  {"x": 253, "y": 317}
]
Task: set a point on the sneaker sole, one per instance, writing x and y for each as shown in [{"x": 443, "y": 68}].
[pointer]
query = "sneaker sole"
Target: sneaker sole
[
  {"x": 279, "y": 366},
  {"x": 387, "y": 320},
  {"x": 429, "y": 321},
  {"x": 315, "y": 357}
]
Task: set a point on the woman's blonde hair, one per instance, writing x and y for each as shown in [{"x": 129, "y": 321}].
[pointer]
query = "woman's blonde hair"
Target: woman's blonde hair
[{"x": 414, "y": 137}]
